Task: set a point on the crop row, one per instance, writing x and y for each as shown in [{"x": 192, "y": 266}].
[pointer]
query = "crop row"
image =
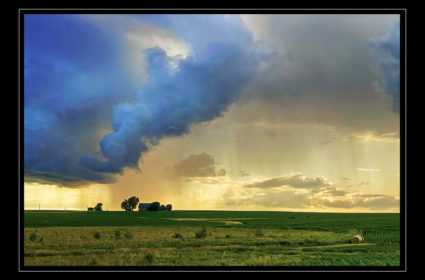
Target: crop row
[{"x": 386, "y": 236}]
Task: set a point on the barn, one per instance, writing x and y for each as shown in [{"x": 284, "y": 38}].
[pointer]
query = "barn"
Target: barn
[{"x": 144, "y": 206}]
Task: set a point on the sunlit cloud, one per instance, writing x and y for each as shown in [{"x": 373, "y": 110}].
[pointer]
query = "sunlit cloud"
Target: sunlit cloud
[
  {"x": 390, "y": 137},
  {"x": 295, "y": 180},
  {"x": 301, "y": 193},
  {"x": 368, "y": 169}
]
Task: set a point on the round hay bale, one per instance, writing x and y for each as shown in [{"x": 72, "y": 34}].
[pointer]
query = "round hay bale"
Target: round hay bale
[{"x": 357, "y": 239}]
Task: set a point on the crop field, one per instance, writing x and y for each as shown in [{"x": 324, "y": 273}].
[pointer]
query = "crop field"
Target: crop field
[{"x": 209, "y": 238}]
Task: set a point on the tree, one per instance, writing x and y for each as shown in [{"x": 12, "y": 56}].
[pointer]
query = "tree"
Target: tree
[
  {"x": 133, "y": 201},
  {"x": 155, "y": 206},
  {"x": 130, "y": 204},
  {"x": 125, "y": 205},
  {"x": 98, "y": 207},
  {"x": 169, "y": 207},
  {"x": 162, "y": 207}
]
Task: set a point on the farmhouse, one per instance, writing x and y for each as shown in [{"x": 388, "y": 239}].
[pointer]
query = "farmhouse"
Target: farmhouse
[{"x": 144, "y": 206}]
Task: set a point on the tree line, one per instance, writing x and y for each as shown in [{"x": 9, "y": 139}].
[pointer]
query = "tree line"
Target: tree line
[
  {"x": 98, "y": 207},
  {"x": 132, "y": 202},
  {"x": 156, "y": 206}
]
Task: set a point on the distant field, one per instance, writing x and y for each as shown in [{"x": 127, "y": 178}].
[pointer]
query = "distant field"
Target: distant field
[{"x": 209, "y": 238}]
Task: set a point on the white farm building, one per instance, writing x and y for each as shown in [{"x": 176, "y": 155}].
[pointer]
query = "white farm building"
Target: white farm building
[{"x": 144, "y": 206}]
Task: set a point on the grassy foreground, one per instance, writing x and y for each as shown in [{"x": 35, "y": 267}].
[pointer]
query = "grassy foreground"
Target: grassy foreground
[{"x": 209, "y": 238}]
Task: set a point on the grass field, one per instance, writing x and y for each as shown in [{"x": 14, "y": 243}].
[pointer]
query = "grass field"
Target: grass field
[{"x": 209, "y": 238}]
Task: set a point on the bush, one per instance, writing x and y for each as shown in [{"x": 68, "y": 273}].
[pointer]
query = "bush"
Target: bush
[
  {"x": 202, "y": 233},
  {"x": 117, "y": 234},
  {"x": 259, "y": 234},
  {"x": 96, "y": 235},
  {"x": 128, "y": 235},
  {"x": 98, "y": 207},
  {"x": 149, "y": 258},
  {"x": 92, "y": 262},
  {"x": 227, "y": 235},
  {"x": 33, "y": 236},
  {"x": 177, "y": 235}
]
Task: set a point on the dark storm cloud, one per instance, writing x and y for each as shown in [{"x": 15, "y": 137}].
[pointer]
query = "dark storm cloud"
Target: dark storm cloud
[
  {"x": 85, "y": 122},
  {"x": 198, "y": 90},
  {"x": 70, "y": 88},
  {"x": 319, "y": 54},
  {"x": 389, "y": 62},
  {"x": 75, "y": 88},
  {"x": 325, "y": 72}
]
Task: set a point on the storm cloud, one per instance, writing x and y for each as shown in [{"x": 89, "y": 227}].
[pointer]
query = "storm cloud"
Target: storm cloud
[
  {"x": 389, "y": 62},
  {"x": 69, "y": 92},
  {"x": 91, "y": 111},
  {"x": 74, "y": 92},
  {"x": 180, "y": 92},
  {"x": 327, "y": 70}
]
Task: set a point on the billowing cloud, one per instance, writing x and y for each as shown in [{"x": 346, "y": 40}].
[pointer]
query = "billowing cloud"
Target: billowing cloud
[
  {"x": 311, "y": 78},
  {"x": 75, "y": 91},
  {"x": 70, "y": 89},
  {"x": 180, "y": 92},
  {"x": 294, "y": 191}
]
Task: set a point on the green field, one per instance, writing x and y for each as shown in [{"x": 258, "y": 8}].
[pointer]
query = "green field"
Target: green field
[{"x": 209, "y": 238}]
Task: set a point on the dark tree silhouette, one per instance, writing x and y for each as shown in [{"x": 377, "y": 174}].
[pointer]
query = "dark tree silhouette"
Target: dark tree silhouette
[
  {"x": 169, "y": 207},
  {"x": 125, "y": 205},
  {"x": 130, "y": 204},
  {"x": 98, "y": 206},
  {"x": 155, "y": 206},
  {"x": 133, "y": 201}
]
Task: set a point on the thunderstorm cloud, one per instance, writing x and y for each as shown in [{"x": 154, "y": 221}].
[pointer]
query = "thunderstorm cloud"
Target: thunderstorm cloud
[
  {"x": 84, "y": 121},
  {"x": 102, "y": 91}
]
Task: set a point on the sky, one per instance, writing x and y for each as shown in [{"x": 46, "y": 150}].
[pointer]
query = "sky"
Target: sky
[{"x": 276, "y": 112}]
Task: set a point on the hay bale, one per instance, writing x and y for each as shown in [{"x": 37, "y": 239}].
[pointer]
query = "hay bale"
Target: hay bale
[{"x": 357, "y": 239}]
